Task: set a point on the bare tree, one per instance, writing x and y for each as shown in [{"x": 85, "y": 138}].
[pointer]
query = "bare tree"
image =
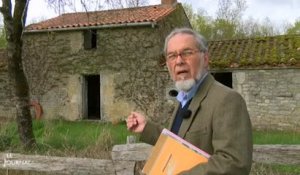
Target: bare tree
[
  {"x": 63, "y": 6},
  {"x": 14, "y": 25},
  {"x": 136, "y": 3},
  {"x": 92, "y": 5},
  {"x": 60, "y": 5},
  {"x": 231, "y": 10},
  {"x": 117, "y": 4}
]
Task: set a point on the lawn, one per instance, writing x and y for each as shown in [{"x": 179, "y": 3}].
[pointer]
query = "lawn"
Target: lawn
[{"x": 276, "y": 137}]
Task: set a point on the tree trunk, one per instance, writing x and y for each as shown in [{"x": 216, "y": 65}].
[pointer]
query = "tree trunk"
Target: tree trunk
[
  {"x": 20, "y": 89},
  {"x": 13, "y": 25}
]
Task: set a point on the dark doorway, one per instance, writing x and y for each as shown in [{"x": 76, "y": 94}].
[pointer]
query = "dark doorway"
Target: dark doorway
[
  {"x": 93, "y": 96},
  {"x": 224, "y": 77}
]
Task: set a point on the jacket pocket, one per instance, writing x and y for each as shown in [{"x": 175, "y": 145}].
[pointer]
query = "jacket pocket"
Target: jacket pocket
[{"x": 197, "y": 137}]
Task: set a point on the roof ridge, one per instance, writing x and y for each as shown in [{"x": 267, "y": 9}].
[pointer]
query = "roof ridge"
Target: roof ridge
[
  {"x": 258, "y": 37},
  {"x": 113, "y": 10}
]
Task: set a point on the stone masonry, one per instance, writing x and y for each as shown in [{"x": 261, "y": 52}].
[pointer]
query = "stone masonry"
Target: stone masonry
[
  {"x": 127, "y": 59},
  {"x": 272, "y": 96}
]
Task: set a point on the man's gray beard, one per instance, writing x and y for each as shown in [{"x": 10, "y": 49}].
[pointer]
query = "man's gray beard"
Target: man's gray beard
[{"x": 185, "y": 85}]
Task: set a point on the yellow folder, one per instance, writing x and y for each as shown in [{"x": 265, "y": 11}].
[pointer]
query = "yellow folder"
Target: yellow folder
[{"x": 172, "y": 155}]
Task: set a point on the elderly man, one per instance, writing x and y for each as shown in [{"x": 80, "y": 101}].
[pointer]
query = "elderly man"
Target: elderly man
[{"x": 208, "y": 115}]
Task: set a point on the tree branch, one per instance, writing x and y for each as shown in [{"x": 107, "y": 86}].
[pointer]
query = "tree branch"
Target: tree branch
[
  {"x": 7, "y": 18},
  {"x": 20, "y": 12}
]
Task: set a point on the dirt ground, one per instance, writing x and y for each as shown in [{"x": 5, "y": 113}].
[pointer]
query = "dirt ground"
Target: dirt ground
[{"x": 277, "y": 154}]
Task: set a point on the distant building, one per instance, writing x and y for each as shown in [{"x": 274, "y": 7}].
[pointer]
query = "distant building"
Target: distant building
[{"x": 266, "y": 71}]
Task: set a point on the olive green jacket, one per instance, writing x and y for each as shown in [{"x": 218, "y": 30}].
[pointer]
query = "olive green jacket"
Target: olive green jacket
[{"x": 220, "y": 125}]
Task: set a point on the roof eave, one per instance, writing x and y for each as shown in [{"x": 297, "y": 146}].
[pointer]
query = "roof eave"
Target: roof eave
[{"x": 150, "y": 23}]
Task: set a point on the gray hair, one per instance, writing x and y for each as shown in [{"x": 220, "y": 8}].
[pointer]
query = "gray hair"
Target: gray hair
[{"x": 200, "y": 40}]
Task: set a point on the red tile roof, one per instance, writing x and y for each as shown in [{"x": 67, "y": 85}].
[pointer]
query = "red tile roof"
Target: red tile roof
[
  {"x": 275, "y": 51},
  {"x": 150, "y": 14}
]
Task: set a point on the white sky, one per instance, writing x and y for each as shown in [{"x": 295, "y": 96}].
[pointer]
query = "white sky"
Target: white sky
[{"x": 278, "y": 11}]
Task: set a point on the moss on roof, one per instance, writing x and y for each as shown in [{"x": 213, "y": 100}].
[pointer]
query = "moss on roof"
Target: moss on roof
[{"x": 275, "y": 51}]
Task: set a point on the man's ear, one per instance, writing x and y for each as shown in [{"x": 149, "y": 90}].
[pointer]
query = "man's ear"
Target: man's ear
[{"x": 206, "y": 59}]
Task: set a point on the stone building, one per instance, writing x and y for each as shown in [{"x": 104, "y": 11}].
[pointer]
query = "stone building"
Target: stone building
[
  {"x": 102, "y": 65},
  {"x": 266, "y": 71}
]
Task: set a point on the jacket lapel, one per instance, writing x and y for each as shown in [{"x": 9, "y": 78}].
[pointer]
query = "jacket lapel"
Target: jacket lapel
[{"x": 195, "y": 105}]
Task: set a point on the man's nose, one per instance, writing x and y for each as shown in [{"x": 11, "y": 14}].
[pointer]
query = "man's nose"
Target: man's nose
[{"x": 179, "y": 59}]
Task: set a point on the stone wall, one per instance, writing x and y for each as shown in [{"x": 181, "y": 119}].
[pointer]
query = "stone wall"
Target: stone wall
[
  {"x": 125, "y": 60},
  {"x": 128, "y": 60},
  {"x": 272, "y": 96},
  {"x": 6, "y": 107}
]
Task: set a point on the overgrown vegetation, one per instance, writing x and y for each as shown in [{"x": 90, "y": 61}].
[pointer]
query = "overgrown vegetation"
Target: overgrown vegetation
[{"x": 64, "y": 138}]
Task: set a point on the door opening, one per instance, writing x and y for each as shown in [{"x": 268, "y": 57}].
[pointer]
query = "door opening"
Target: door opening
[
  {"x": 93, "y": 96},
  {"x": 224, "y": 77}
]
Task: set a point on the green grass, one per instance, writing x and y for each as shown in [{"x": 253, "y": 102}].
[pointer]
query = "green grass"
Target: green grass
[
  {"x": 58, "y": 137},
  {"x": 276, "y": 137},
  {"x": 78, "y": 134},
  {"x": 274, "y": 169},
  {"x": 60, "y": 134},
  {"x": 291, "y": 169}
]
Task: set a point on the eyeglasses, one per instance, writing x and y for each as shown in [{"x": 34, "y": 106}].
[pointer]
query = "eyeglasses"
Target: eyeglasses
[{"x": 185, "y": 54}]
